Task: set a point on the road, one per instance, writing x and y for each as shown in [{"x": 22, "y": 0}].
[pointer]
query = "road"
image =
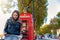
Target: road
[
  {"x": 47, "y": 39},
  {"x": 40, "y": 39}
]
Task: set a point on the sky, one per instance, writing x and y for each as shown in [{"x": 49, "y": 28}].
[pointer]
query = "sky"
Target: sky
[{"x": 53, "y": 9}]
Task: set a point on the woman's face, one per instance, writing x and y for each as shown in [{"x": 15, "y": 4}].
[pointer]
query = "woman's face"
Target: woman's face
[{"x": 15, "y": 16}]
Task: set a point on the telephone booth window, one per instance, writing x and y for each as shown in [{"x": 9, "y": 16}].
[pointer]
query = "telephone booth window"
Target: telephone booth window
[{"x": 24, "y": 23}]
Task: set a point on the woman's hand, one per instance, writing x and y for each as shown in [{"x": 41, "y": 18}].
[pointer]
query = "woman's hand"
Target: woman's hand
[{"x": 5, "y": 34}]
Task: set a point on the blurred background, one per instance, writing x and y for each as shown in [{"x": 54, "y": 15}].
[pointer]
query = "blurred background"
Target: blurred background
[{"x": 46, "y": 14}]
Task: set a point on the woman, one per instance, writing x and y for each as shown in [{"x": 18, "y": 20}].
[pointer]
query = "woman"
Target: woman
[{"x": 12, "y": 27}]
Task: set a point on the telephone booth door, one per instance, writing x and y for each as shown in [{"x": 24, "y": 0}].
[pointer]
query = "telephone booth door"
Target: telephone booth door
[{"x": 24, "y": 30}]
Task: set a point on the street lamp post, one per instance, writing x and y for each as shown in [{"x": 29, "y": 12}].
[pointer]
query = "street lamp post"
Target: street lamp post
[{"x": 32, "y": 7}]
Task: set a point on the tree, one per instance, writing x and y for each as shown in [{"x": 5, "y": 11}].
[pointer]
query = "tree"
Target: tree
[
  {"x": 54, "y": 24},
  {"x": 45, "y": 29},
  {"x": 40, "y": 11},
  {"x": 7, "y": 6},
  {"x": 58, "y": 14}
]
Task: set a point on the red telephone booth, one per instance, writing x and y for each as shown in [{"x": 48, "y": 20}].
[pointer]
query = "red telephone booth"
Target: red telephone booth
[{"x": 27, "y": 23}]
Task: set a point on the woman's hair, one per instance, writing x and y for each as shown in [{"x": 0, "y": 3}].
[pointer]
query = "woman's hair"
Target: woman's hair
[{"x": 17, "y": 12}]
